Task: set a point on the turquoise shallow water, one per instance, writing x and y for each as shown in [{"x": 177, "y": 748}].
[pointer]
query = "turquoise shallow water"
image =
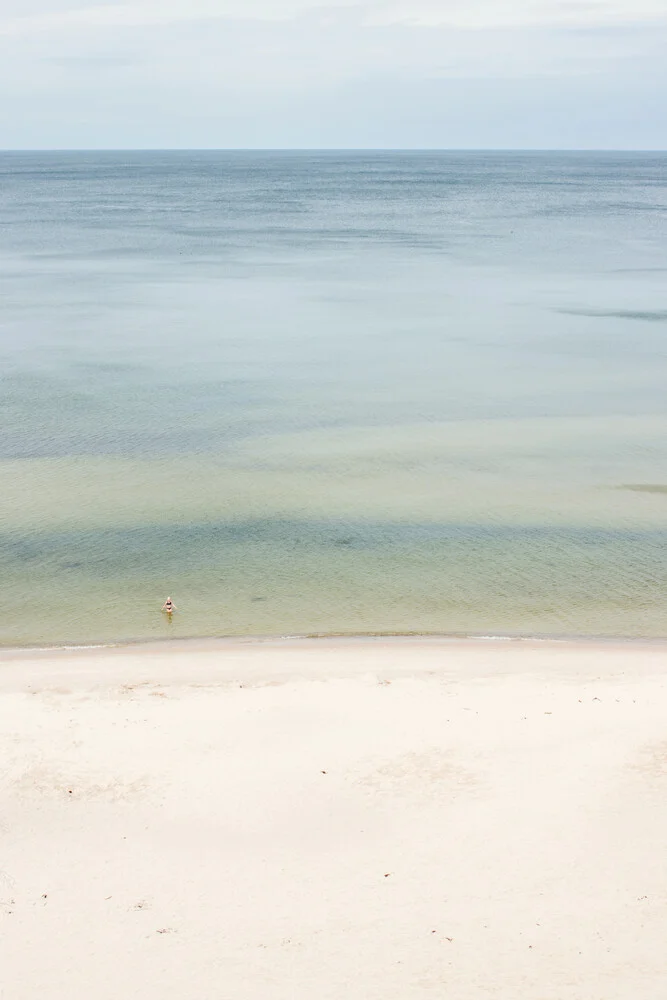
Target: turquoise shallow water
[{"x": 332, "y": 392}]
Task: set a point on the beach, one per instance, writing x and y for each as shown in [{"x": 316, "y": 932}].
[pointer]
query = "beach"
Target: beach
[{"x": 324, "y": 818}]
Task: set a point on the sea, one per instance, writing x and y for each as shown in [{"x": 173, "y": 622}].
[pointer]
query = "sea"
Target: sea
[{"x": 332, "y": 393}]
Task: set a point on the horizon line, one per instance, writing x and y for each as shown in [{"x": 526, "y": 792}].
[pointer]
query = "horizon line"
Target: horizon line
[{"x": 330, "y": 149}]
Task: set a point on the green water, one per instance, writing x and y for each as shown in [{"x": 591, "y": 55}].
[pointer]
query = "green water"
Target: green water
[
  {"x": 332, "y": 393},
  {"x": 347, "y": 531}
]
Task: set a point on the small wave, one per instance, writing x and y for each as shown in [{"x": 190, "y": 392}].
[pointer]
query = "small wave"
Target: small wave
[
  {"x": 492, "y": 638},
  {"x": 99, "y": 645},
  {"x": 55, "y": 649},
  {"x": 522, "y": 638}
]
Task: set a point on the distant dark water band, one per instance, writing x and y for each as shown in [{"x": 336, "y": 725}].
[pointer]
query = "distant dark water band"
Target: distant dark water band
[{"x": 169, "y": 544}]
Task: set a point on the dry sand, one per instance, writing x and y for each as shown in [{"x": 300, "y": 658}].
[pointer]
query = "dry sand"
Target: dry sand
[{"x": 317, "y": 820}]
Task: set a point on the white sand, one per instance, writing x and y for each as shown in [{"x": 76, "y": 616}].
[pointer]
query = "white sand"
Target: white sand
[{"x": 325, "y": 820}]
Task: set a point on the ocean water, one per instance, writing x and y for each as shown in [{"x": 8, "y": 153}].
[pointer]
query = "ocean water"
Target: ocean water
[{"x": 332, "y": 392}]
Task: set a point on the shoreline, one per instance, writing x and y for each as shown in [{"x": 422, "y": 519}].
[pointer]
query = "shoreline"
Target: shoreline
[
  {"x": 335, "y": 639},
  {"x": 216, "y": 663}
]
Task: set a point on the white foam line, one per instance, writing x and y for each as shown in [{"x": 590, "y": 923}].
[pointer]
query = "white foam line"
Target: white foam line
[
  {"x": 54, "y": 649},
  {"x": 524, "y": 638},
  {"x": 492, "y": 638}
]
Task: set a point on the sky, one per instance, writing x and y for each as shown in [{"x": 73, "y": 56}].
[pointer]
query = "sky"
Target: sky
[{"x": 463, "y": 74}]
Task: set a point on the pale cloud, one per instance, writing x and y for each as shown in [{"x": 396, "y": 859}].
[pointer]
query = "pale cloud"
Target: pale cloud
[
  {"x": 332, "y": 72},
  {"x": 484, "y": 14},
  {"x": 45, "y": 15},
  {"x": 20, "y": 17}
]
